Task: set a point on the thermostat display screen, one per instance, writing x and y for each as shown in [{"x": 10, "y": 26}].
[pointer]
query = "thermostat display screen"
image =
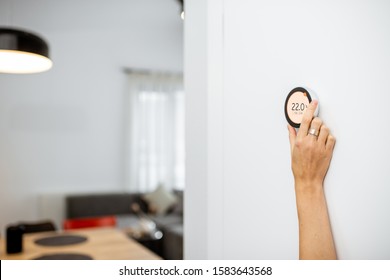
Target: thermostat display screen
[{"x": 296, "y": 104}]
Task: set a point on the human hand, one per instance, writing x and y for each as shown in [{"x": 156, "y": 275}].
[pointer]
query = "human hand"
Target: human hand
[{"x": 310, "y": 154}]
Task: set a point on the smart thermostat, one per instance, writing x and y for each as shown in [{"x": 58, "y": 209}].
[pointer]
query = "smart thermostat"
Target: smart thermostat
[{"x": 296, "y": 104}]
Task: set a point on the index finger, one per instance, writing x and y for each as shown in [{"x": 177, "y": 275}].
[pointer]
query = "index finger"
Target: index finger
[{"x": 307, "y": 118}]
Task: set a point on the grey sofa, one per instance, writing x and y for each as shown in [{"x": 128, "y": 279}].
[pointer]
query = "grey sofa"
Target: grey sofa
[{"x": 119, "y": 204}]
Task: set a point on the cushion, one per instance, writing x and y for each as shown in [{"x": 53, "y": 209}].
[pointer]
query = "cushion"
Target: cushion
[
  {"x": 160, "y": 200},
  {"x": 178, "y": 208}
]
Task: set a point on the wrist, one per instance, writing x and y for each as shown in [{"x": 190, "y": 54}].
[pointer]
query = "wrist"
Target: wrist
[{"x": 308, "y": 188}]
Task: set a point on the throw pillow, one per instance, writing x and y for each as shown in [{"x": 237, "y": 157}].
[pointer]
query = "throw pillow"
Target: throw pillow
[
  {"x": 178, "y": 207},
  {"x": 160, "y": 199}
]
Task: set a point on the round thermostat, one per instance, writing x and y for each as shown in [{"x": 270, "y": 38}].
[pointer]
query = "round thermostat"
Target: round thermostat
[{"x": 296, "y": 104}]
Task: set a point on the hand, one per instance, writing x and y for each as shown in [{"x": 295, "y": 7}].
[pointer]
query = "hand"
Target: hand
[
  {"x": 310, "y": 159},
  {"x": 310, "y": 155}
]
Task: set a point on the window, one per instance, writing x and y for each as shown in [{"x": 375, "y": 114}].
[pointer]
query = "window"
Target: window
[{"x": 156, "y": 131}]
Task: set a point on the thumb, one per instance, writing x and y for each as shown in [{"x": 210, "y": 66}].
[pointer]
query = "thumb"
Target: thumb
[{"x": 292, "y": 134}]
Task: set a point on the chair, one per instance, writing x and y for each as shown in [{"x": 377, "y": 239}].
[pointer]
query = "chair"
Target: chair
[
  {"x": 15, "y": 233},
  {"x": 40, "y": 226},
  {"x": 104, "y": 221}
]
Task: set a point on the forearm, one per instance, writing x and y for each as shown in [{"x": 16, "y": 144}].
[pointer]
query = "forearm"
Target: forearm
[{"x": 315, "y": 234}]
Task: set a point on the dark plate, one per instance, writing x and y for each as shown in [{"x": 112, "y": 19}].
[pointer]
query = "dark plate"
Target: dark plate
[
  {"x": 64, "y": 257},
  {"x": 61, "y": 240}
]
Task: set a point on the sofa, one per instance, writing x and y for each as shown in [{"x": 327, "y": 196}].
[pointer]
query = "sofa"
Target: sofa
[{"x": 170, "y": 246}]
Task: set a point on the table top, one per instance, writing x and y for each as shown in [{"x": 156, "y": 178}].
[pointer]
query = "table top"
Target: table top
[{"x": 101, "y": 244}]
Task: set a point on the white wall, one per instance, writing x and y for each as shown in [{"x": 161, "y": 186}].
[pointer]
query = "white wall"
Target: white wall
[
  {"x": 63, "y": 131},
  {"x": 204, "y": 178},
  {"x": 338, "y": 48}
]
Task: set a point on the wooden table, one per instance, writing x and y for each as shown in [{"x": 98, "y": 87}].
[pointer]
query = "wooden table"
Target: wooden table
[{"x": 101, "y": 244}]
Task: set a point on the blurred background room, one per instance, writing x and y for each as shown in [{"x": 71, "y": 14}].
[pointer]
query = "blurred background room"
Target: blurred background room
[{"x": 107, "y": 118}]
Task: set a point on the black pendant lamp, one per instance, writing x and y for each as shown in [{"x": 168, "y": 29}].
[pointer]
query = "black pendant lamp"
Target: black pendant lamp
[{"x": 22, "y": 52}]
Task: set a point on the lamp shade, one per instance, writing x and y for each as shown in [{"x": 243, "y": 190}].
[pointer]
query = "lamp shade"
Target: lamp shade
[{"x": 22, "y": 52}]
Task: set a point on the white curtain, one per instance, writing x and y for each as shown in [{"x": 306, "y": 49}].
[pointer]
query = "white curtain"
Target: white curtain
[{"x": 156, "y": 131}]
